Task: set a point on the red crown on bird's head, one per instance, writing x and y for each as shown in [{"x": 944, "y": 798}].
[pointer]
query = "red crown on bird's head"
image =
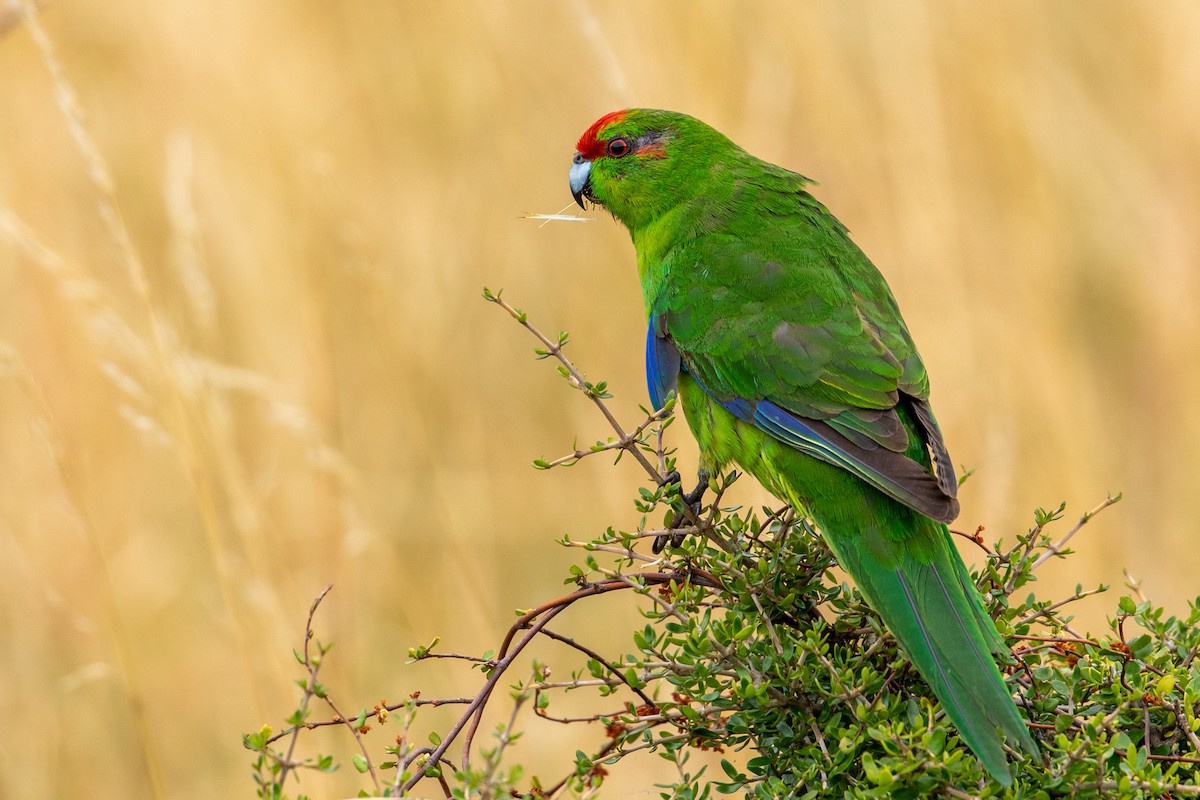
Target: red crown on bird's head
[{"x": 590, "y": 145}]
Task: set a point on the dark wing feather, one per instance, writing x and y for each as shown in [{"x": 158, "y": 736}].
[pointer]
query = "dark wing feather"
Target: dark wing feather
[
  {"x": 894, "y": 474},
  {"x": 942, "y": 465}
]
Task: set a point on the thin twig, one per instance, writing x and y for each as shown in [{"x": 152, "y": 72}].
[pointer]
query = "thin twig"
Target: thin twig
[
  {"x": 600, "y": 587},
  {"x": 1027, "y": 547},
  {"x": 950, "y": 791},
  {"x": 975, "y": 539},
  {"x": 309, "y": 688},
  {"x": 603, "y": 447},
  {"x": 590, "y": 653},
  {"x": 628, "y": 442},
  {"x": 479, "y": 701},
  {"x": 577, "y": 380},
  {"x": 1057, "y": 547},
  {"x": 625, "y": 553},
  {"x": 358, "y": 738},
  {"x": 1056, "y": 639},
  {"x": 1043, "y": 611},
  {"x": 1183, "y": 722},
  {"x": 473, "y": 713},
  {"x": 433, "y": 702}
]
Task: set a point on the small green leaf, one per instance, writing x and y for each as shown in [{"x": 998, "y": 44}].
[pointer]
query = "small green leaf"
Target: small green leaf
[
  {"x": 732, "y": 771},
  {"x": 1141, "y": 646},
  {"x": 258, "y": 739},
  {"x": 937, "y": 741}
]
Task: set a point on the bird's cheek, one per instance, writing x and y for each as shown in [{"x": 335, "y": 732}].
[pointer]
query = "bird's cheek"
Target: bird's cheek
[{"x": 602, "y": 186}]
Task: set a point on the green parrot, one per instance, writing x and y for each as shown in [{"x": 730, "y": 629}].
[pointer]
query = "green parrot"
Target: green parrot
[{"x": 789, "y": 357}]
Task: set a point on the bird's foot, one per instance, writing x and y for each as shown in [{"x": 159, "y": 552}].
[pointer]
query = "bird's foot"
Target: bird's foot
[{"x": 676, "y": 519}]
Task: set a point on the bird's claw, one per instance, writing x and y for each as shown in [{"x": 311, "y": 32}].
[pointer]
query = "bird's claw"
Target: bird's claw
[{"x": 693, "y": 500}]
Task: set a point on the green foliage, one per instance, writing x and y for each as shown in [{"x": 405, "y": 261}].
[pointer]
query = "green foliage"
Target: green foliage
[
  {"x": 758, "y": 673},
  {"x": 758, "y": 656},
  {"x": 790, "y": 667}
]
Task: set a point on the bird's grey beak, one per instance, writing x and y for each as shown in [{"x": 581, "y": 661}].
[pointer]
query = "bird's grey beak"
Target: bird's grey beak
[{"x": 581, "y": 183}]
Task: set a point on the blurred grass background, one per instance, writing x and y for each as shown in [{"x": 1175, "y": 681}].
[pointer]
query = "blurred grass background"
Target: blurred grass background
[{"x": 285, "y": 377}]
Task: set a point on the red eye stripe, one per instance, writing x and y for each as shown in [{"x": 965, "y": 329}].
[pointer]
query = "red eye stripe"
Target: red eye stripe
[
  {"x": 651, "y": 149},
  {"x": 590, "y": 144}
]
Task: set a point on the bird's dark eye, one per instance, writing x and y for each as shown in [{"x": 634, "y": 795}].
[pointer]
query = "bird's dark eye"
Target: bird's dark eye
[{"x": 618, "y": 147}]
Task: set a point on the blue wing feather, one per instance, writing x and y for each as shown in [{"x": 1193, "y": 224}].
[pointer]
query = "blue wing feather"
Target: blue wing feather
[
  {"x": 894, "y": 474},
  {"x": 662, "y": 363}
]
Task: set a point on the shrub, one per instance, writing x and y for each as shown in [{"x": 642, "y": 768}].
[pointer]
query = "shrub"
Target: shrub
[{"x": 754, "y": 654}]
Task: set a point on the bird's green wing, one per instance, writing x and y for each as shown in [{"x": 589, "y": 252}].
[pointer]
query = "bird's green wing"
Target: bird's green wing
[{"x": 802, "y": 338}]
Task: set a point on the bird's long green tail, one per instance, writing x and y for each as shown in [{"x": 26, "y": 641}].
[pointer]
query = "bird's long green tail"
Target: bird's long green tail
[{"x": 914, "y": 579}]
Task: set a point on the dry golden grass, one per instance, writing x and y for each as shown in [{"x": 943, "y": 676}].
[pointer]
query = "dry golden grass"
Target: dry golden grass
[{"x": 243, "y": 354}]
